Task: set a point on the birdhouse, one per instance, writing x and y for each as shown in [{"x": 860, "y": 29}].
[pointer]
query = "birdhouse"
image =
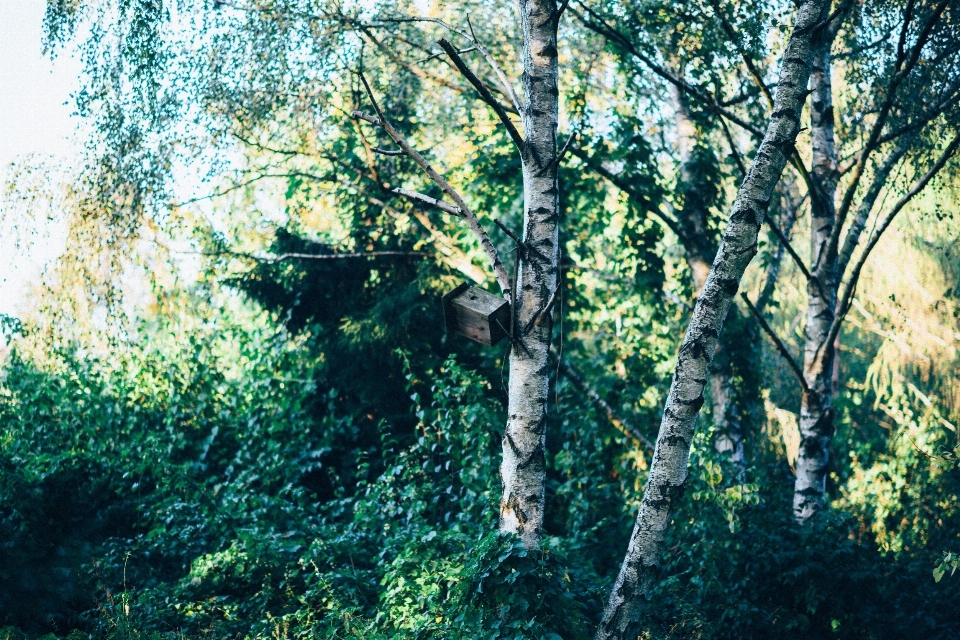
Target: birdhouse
[{"x": 476, "y": 314}]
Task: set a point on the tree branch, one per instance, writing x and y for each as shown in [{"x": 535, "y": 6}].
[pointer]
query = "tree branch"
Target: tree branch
[
  {"x": 903, "y": 66},
  {"x": 736, "y": 40},
  {"x": 786, "y": 245},
  {"x": 502, "y": 277},
  {"x": 501, "y": 76},
  {"x": 485, "y": 95},
  {"x": 387, "y": 152},
  {"x": 605, "y": 30},
  {"x": 314, "y": 256},
  {"x": 622, "y": 185},
  {"x": 797, "y": 371},
  {"x": 439, "y": 204},
  {"x": 918, "y": 186},
  {"x": 789, "y": 218},
  {"x": 615, "y": 419},
  {"x": 880, "y": 176}
]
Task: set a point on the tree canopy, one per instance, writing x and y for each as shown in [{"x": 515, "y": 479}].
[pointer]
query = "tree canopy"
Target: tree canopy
[{"x": 726, "y": 236}]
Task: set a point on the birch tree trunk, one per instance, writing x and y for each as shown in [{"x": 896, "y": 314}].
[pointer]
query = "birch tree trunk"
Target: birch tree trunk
[
  {"x": 523, "y": 468},
  {"x": 668, "y": 470},
  {"x": 816, "y": 412},
  {"x": 700, "y": 250}
]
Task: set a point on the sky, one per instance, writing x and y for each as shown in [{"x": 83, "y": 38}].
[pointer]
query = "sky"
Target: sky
[{"x": 34, "y": 119}]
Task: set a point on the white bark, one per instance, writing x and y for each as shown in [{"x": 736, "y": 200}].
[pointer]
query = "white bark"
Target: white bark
[
  {"x": 523, "y": 469},
  {"x": 700, "y": 250},
  {"x": 816, "y": 412},
  {"x": 668, "y": 471}
]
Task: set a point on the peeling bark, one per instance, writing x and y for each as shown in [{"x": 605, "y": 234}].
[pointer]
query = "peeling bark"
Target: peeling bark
[
  {"x": 523, "y": 469},
  {"x": 668, "y": 471}
]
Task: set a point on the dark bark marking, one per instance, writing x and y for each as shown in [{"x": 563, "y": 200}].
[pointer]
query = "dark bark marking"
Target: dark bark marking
[
  {"x": 674, "y": 440},
  {"x": 513, "y": 445},
  {"x": 824, "y": 425},
  {"x": 787, "y": 114},
  {"x": 694, "y": 404},
  {"x": 549, "y": 51},
  {"x": 811, "y": 446},
  {"x": 535, "y": 456}
]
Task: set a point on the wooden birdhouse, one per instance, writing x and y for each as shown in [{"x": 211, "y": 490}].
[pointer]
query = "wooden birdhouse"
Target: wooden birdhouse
[{"x": 476, "y": 314}]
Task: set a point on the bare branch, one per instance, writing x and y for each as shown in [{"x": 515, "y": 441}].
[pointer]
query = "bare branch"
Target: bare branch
[
  {"x": 387, "y": 152},
  {"x": 786, "y": 245},
  {"x": 500, "y": 273},
  {"x": 615, "y": 419},
  {"x": 918, "y": 186},
  {"x": 439, "y": 204},
  {"x": 776, "y": 341},
  {"x": 501, "y": 76},
  {"x": 485, "y": 95}
]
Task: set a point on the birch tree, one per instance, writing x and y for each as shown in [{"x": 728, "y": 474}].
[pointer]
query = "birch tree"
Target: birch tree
[
  {"x": 911, "y": 101},
  {"x": 695, "y": 119},
  {"x": 668, "y": 470},
  {"x": 523, "y": 469}
]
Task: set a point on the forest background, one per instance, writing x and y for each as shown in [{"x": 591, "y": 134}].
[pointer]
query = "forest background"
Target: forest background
[{"x": 232, "y": 409}]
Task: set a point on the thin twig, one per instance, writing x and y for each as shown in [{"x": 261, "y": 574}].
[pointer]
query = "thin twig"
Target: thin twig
[
  {"x": 314, "y": 256},
  {"x": 544, "y": 311},
  {"x": 515, "y": 340},
  {"x": 625, "y": 427},
  {"x": 437, "y": 55},
  {"x": 733, "y": 148},
  {"x": 786, "y": 245},
  {"x": 524, "y": 247},
  {"x": 780, "y": 346},
  {"x": 501, "y": 76},
  {"x": 565, "y": 148},
  {"x": 520, "y": 244}
]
